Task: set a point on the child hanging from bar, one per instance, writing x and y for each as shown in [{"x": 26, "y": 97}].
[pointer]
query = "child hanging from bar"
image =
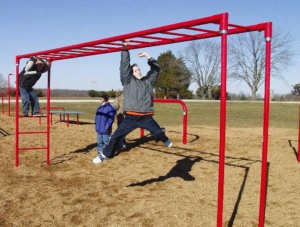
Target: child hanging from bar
[
  {"x": 31, "y": 73},
  {"x": 137, "y": 103}
]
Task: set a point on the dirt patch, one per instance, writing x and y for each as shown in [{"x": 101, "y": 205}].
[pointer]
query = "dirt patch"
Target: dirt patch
[{"x": 150, "y": 185}]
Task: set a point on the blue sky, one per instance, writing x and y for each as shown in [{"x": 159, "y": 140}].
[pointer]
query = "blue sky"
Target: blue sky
[{"x": 30, "y": 26}]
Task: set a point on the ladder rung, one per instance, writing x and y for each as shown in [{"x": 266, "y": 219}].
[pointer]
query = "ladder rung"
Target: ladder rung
[
  {"x": 29, "y": 116},
  {"x": 32, "y": 148},
  {"x": 32, "y": 132}
]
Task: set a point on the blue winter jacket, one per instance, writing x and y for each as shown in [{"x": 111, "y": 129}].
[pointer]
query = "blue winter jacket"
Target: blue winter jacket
[{"x": 104, "y": 119}]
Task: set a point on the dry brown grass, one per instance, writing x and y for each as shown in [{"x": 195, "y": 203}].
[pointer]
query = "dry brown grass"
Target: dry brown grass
[{"x": 150, "y": 185}]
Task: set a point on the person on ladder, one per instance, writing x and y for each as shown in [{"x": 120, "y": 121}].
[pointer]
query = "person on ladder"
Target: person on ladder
[{"x": 31, "y": 73}]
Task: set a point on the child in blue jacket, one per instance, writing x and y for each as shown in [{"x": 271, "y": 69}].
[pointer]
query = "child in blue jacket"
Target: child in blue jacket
[{"x": 103, "y": 124}]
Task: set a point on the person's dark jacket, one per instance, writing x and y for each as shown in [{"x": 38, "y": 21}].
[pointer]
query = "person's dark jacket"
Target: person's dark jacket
[
  {"x": 138, "y": 94},
  {"x": 104, "y": 119},
  {"x": 29, "y": 75}
]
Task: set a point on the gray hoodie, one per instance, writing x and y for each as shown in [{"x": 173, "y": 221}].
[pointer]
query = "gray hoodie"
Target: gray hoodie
[{"x": 138, "y": 94}]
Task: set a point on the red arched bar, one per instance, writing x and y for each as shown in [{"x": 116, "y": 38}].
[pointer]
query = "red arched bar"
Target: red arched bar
[{"x": 185, "y": 114}]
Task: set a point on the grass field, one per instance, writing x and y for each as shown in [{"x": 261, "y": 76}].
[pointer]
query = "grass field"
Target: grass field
[
  {"x": 244, "y": 114},
  {"x": 241, "y": 115}
]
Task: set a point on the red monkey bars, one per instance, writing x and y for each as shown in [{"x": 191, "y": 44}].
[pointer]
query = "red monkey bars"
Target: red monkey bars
[
  {"x": 180, "y": 32},
  {"x": 185, "y": 112}
]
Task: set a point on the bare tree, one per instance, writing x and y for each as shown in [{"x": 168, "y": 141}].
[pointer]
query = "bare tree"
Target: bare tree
[
  {"x": 247, "y": 58},
  {"x": 203, "y": 59}
]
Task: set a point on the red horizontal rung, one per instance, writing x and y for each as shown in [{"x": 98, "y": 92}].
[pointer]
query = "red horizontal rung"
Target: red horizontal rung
[
  {"x": 155, "y": 37},
  {"x": 138, "y": 41},
  {"x": 115, "y": 44},
  {"x": 202, "y": 30},
  {"x": 178, "y": 34},
  {"x": 32, "y": 148},
  {"x": 29, "y": 116},
  {"x": 237, "y": 26},
  {"x": 32, "y": 132}
]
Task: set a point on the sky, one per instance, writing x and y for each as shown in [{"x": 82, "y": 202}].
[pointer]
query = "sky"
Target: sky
[{"x": 31, "y": 26}]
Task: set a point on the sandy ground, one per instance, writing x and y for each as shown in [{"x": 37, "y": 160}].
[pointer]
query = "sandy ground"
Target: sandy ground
[{"x": 150, "y": 185}]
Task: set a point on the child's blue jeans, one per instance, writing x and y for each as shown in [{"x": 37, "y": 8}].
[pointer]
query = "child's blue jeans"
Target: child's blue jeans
[{"x": 102, "y": 140}]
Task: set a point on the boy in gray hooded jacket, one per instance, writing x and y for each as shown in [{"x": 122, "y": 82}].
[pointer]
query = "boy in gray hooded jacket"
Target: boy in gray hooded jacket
[{"x": 138, "y": 101}]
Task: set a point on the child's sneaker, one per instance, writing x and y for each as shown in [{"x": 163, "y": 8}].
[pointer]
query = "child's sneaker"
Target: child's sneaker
[
  {"x": 168, "y": 143},
  {"x": 98, "y": 159},
  {"x": 37, "y": 114}
]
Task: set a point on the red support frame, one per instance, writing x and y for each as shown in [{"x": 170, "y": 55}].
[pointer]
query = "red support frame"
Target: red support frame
[
  {"x": 185, "y": 116},
  {"x": 162, "y": 36},
  {"x": 8, "y": 96}
]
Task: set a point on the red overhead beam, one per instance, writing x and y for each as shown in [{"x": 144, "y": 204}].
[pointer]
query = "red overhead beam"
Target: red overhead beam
[{"x": 152, "y": 37}]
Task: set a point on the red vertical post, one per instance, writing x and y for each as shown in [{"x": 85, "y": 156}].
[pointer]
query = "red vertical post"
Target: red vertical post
[
  {"x": 184, "y": 139},
  {"x": 17, "y": 111},
  {"x": 142, "y": 132},
  {"x": 299, "y": 134},
  {"x": 264, "y": 164},
  {"x": 223, "y": 31},
  {"x": 48, "y": 117}
]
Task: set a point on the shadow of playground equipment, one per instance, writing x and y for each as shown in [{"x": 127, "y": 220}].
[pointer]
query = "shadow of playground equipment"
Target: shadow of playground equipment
[
  {"x": 4, "y": 133},
  {"x": 182, "y": 167},
  {"x": 74, "y": 122},
  {"x": 186, "y": 164},
  {"x": 68, "y": 157},
  {"x": 294, "y": 149},
  {"x": 193, "y": 140}
]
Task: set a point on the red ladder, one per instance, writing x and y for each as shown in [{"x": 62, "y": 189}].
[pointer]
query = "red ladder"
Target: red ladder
[{"x": 18, "y": 132}]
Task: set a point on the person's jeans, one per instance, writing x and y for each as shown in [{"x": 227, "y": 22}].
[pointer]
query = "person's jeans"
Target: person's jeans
[
  {"x": 102, "y": 141},
  {"x": 29, "y": 97},
  {"x": 130, "y": 123}
]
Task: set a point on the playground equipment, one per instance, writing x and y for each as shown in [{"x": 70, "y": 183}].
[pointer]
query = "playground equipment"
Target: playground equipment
[
  {"x": 8, "y": 93},
  {"x": 185, "y": 112},
  {"x": 52, "y": 108},
  {"x": 167, "y": 35},
  {"x": 62, "y": 113}
]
